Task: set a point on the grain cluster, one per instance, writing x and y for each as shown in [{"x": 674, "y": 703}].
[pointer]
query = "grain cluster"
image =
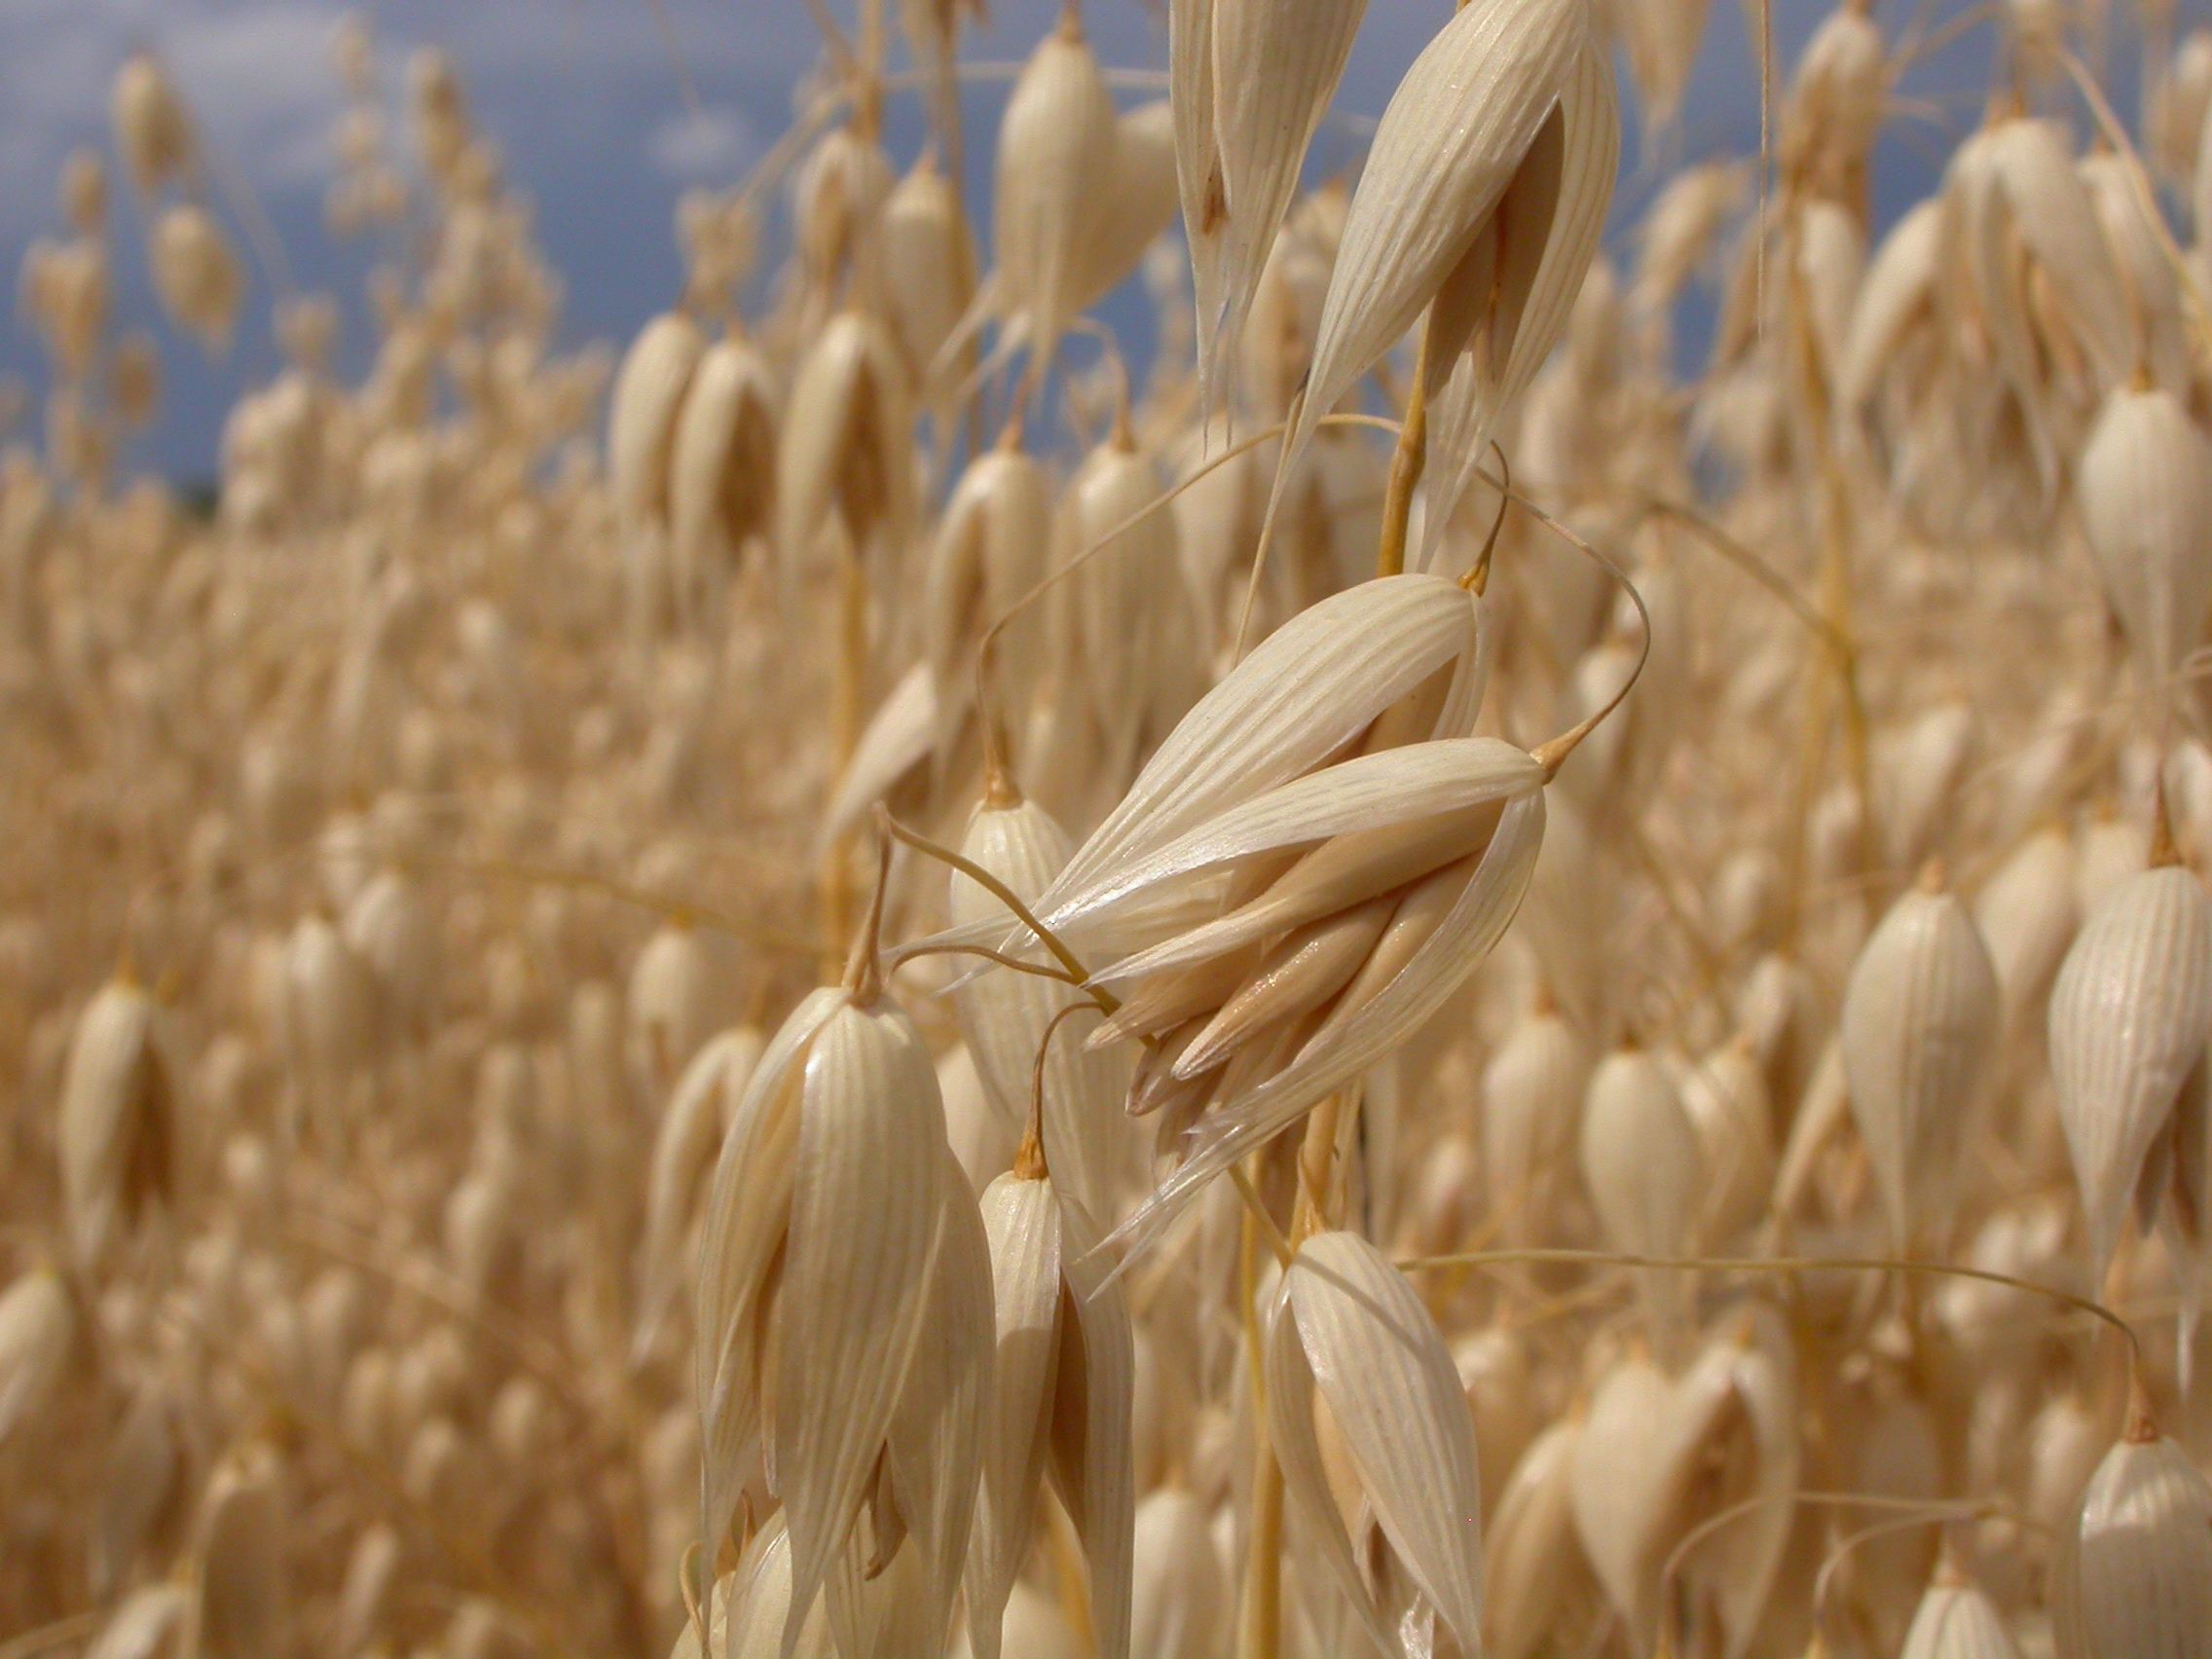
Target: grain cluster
[{"x": 1506, "y": 952}]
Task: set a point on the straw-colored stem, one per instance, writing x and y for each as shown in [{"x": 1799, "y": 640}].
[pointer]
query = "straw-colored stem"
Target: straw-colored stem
[
  {"x": 873, "y": 36},
  {"x": 1005, "y": 895},
  {"x": 1788, "y": 1265},
  {"x": 1259, "y": 1630},
  {"x": 1256, "y": 1214},
  {"x": 1835, "y": 539},
  {"x": 1259, "y": 1614},
  {"x": 1938, "y": 1512},
  {"x": 1036, "y": 970},
  {"x": 1158, "y": 504},
  {"x": 1408, "y": 460},
  {"x": 421, "y": 1281},
  {"x": 1316, "y": 1158},
  {"x": 1259, "y": 1623},
  {"x": 845, "y": 722},
  {"x": 676, "y": 912},
  {"x": 1920, "y": 1511}
]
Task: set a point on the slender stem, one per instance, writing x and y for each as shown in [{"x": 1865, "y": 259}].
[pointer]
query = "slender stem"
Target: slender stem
[
  {"x": 864, "y": 972},
  {"x": 1005, "y": 895},
  {"x": 1911, "y": 53},
  {"x": 1060, "y": 976},
  {"x": 872, "y": 36},
  {"x": 1919, "y": 1510},
  {"x": 1158, "y": 503},
  {"x": 848, "y": 695},
  {"x": 1256, "y": 1215},
  {"x": 1030, "y": 1159},
  {"x": 1259, "y": 1614},
  {"x": 1552, "y": 753},
  {"x": 1317, "y": 1155},
  {"x": 425, "y": 1283},
  {"x": 1708, "y": 954},
  {"x": 1407, "y": 463},
  {"x": 1259, "y": 1624},
  {"x": 1842, "y": 650},
  {"x": 1752, "y": 564},
  {"x": 1836, "y": 537},
  {"x": 1259, "y": 1631},
  {"x": 1786, "y": 1264},
  {"x": 1936, "y": 1512},
  {"x": 834, "y": 38},
  {"x": 1274, "y": 503},
  {"x": 1259, "y": 1628},
  {"x": 682, "y": 912}
]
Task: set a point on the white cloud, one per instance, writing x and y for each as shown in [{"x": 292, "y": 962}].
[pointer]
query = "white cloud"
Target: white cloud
[
  {"x": 253, "y": 72},
  {"x": 702, "y": 144},
  {"x": 259, "y": 79}
]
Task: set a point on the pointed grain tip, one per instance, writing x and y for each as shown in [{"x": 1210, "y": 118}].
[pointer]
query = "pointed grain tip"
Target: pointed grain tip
[
  {"x": 2142, "y": 1426},
  {"x": 2164, "y": 853}
]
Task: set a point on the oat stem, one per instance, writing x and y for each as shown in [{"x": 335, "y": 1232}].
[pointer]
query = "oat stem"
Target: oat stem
[
  {"x": 1407, "y": 463},
  {"x": 846, "y": 719}
]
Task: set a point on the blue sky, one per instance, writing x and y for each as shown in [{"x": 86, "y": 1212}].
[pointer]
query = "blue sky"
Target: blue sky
[{"x": 582, "y": 98}]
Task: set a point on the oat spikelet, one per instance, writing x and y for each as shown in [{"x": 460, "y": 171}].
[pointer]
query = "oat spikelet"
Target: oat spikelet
[
  {"x": 841, "y": 1119},
  {"x": 1055, "y": 160},
  {"x": 197, "y": 276},
  {"x": 1455, "y": 135},
  {"x": 152, "y": 129},
  {"x": 117, "y": 1129},
  {"x": 1919, "y": 1020},
  {"x": 38, "y": 1329},
  {"x": 2129, "y": 1013},
  {"x": 1350, "y": 1343},
  {"x": 2141, "y": 1566}
]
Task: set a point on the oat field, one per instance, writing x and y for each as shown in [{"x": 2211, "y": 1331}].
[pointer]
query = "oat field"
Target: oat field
[{"x": 1501, "y": 949}]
